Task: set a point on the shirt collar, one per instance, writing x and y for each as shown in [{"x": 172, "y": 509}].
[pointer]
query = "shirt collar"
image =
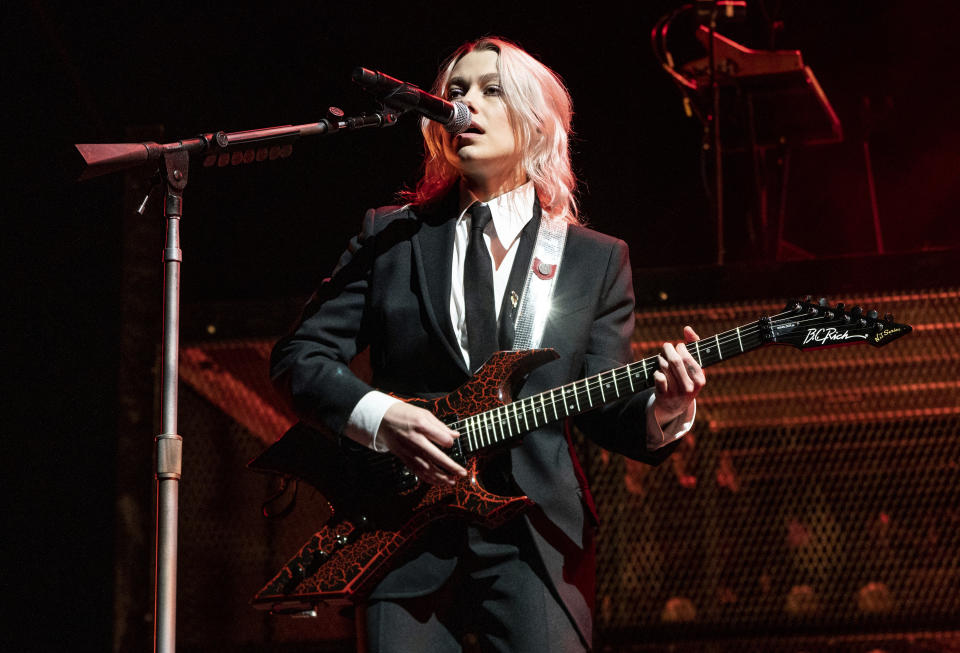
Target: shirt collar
[{"x": 510, "y": 212}]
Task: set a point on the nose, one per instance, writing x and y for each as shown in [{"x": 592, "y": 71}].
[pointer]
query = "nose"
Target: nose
[{"x": 469, "y": 99}]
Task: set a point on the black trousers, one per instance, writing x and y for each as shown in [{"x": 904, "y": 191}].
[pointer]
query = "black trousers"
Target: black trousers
[{"x": 499, "y": 593}]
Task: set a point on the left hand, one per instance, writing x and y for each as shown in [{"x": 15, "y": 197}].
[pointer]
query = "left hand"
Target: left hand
[{"x": 679, "y": 379}]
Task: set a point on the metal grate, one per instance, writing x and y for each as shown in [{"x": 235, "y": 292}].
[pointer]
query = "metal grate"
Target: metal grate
[{"x": 819, "y": 490}]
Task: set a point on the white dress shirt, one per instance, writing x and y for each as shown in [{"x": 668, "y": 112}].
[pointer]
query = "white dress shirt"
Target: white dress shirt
[{"x": 510, "y": 213}]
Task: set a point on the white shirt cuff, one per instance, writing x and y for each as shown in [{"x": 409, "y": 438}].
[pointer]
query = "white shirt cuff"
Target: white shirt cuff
[
  {"x": 672, "y": 430},
  {"x": 364, "y": 420}
]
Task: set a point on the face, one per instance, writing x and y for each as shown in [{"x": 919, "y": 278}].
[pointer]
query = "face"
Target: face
[{"x": 487, "y": 150}]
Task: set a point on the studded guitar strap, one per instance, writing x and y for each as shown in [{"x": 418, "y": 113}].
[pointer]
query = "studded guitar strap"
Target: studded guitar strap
[{"x": 538, "y": 288}]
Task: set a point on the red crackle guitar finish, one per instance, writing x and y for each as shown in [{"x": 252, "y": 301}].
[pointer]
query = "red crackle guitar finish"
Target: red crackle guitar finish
[
  {"x": 379, "y": 507},
  {"x": 388, "y": 505}
]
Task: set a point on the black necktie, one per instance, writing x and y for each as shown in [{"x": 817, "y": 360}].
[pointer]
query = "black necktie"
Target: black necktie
[{"x": 481, "y": 319}]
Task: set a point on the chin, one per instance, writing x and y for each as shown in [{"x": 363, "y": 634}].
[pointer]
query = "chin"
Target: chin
[{"x": 468, "y": 162}]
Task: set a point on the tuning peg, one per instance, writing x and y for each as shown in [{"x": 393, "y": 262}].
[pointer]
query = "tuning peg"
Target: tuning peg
[
  {"x": 856, "y": 316},
  {"x": 888, "y": 317},
  {"x": 872, "y": 316},
  {"x": 823, "y": 302}
]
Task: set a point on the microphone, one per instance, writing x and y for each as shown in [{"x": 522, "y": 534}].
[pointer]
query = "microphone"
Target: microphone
[{"x": 454, "y": 116}]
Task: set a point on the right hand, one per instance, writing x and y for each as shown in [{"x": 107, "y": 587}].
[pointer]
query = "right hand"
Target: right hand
[{"x": 413, "y": 434}]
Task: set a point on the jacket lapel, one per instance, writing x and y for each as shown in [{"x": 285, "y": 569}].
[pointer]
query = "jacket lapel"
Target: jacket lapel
[
  {"x": 518, "y": 277},
  {"x": 433, "y": 243}
]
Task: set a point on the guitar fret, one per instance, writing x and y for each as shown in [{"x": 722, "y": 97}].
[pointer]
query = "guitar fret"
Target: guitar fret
[{"x": 493, "y": 426}]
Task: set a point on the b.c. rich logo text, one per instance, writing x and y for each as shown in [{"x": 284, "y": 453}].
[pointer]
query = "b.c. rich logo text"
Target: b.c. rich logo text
[{"x": 823, "y": 336}]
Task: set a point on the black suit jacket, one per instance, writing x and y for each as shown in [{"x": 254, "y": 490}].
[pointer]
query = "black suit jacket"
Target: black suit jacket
[{"x": 391, "y": 293}]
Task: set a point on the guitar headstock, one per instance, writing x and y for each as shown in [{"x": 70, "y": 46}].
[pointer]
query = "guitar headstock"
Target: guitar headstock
[{"x": 809, "y": 325}]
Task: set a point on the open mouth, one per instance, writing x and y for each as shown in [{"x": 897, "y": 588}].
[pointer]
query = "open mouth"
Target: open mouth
[{"x": 472, "y": 129}]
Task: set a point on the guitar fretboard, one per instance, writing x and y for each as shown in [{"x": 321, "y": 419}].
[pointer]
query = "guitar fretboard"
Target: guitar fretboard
[{"x": 505, "y": 423}]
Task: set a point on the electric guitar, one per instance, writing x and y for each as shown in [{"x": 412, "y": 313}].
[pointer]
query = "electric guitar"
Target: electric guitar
[{"x": 379, "y": 507}]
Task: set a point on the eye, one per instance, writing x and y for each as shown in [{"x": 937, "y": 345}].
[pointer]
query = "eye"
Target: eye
[
  {"x": 454, "y": 93},
  {"x": 493, "y": 90}
]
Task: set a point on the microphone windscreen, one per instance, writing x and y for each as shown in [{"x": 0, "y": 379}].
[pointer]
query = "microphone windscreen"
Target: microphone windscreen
[{"x": 461, "y": 119}]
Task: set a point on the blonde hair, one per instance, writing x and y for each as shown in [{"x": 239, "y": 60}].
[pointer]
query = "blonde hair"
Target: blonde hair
[{"x": 540, "y": 112}]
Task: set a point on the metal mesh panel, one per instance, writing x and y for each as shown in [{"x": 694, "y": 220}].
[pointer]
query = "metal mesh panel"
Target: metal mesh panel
[{"x": 819, "y": 490}]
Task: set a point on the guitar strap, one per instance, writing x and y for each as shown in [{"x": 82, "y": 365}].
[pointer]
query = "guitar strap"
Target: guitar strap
[{"x": 538, "y": 288}]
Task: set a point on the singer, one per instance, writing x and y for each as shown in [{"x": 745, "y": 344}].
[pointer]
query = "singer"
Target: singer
[{"x": 433, "y": 288}]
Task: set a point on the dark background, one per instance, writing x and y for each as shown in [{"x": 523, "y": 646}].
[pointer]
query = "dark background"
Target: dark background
[{"x": 79, "y": 73}]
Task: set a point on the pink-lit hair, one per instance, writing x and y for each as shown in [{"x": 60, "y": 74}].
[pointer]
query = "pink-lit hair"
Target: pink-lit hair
[{"x": 540, "y": 112}]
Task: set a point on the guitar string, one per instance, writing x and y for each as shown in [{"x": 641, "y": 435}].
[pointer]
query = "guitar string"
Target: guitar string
[
  {"x": 591, "y": 384},
  {"x": 499, "y": 415}
]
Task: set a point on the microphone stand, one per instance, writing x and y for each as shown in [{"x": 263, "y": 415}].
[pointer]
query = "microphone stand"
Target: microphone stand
[{"x": 174, "y": 160}]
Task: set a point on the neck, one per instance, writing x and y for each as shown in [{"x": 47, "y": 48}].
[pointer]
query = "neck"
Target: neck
[{"x": 485, "y": 188}]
